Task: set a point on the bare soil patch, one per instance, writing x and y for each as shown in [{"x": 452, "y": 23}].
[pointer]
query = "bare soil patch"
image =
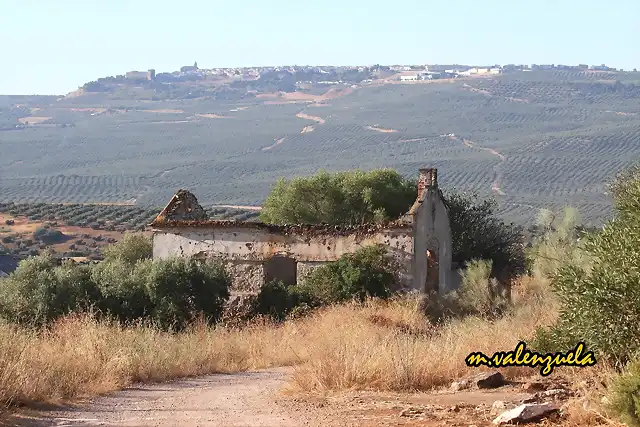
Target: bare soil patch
[
  {"x": 379, "y": 129},
  {"x": 33, "y": 120},
  {"x": 172, "y": 121},
  {"x": 88, "y": 110},
  {"x": 212, "y": 116},
  {"x": 278, "y": 142},
  {"x": 165, "y": 110},
  {"x": 308, "y": 117}
]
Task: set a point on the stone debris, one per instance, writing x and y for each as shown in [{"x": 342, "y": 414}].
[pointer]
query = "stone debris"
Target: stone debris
[
  {"x": 498, "y": 406},
  {"x": 411, "y": 412},
  {"x": 526, "y": 413},
  {"x": 556, "y": 393},
  {"x": 534, "y": 386},
  {"x": 482, "y": 381}
]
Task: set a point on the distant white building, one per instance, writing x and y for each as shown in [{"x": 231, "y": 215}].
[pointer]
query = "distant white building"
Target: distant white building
[{"x": 411, "y": 77}]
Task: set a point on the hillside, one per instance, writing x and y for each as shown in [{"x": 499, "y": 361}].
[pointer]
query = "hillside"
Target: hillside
[{"x": 532, "y": 139}]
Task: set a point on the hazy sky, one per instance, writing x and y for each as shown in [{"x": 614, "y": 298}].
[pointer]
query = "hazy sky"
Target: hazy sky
[{"x": 54, "y": 46}]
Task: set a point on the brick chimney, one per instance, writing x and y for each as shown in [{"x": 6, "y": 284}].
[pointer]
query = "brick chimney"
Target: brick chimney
[{"x": 428, "y": 179}]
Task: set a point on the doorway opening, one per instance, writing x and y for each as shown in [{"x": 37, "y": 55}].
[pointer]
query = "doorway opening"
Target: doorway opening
[
  {"x": 433, "y": 270},
  {"x": 281, "y": 268}
]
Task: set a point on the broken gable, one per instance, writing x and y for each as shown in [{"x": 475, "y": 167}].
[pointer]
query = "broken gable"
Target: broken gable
[{"x": 183, "y": 206}]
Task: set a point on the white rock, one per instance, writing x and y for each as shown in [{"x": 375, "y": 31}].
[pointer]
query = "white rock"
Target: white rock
[{"x": 525, "y": 413}]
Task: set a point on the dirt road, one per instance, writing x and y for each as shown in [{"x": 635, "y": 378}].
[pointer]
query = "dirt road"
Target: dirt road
[
  {"x": 254, "y": 399},
  {"x": 243, "y": 399}
]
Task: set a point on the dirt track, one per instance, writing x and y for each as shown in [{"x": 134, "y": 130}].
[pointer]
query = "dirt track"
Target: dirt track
[{"x": 244, "y": 399}]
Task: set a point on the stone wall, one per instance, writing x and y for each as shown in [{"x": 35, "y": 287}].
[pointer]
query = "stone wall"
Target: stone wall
[
  {"x": 248, "y": 246},
  {"x": 246, "y": 276}
]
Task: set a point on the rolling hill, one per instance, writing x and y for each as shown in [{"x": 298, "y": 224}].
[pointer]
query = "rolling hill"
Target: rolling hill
[{"x": 531, "y": 139}]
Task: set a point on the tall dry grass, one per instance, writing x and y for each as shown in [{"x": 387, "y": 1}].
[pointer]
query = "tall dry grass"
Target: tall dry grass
[
  {"x": 83, "y": 356},
  {"x": 355, "y": 349},
  {"x": 381, "y": 346}
]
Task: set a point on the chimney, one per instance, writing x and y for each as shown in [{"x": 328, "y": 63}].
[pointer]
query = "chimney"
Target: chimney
[{"x": 428, "y": 179}]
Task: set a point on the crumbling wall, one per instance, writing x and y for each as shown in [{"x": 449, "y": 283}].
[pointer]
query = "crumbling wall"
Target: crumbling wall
[
  {"x": 246, "y": 276},
  {"x": 248, "y": 246},
  {"x": 306, "y": 268},
  {"x": 183, "y": 206}
]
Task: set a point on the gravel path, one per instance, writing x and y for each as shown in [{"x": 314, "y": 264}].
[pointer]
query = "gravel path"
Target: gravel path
[{"x": 243, "y": 399}]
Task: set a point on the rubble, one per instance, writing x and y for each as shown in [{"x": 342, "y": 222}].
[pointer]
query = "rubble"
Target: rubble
[
  {"x": 526, "y": 413},
  {"x": 481, "y": 381}
]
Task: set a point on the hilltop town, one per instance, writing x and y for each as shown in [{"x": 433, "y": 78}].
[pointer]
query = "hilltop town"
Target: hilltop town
[{"x": 192, "y": 81}]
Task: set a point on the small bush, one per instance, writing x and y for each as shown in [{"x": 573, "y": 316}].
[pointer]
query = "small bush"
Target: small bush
[
  {"x": 368, "y": 272},
  {"x": 277, "y": 301},
  {"x": 181, "y": 289},
  {"x": 132, "y": 248},
  {"x": 40, "y": 291},
  {"x": 624, "y": 399},
  {"x": 49, "y": 236},
  {"x": 477, "y": 232},
  {"x": 599, "y": 300},
  {"x": 479, "y": 294}
]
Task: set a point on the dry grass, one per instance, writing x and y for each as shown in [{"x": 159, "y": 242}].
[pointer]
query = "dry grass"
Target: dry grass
[
  {"x": 383, "y": 346},
  {"x": 81, "y": 356},
  {"x": 354, "y": 349}
]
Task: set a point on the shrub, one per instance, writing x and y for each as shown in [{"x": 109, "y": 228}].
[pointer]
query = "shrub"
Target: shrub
[
  {"x": 599, "y": 300},
  {"x": 479, "y": 295},
  {"x": 181, "y": 289},
  {"x": 49, "y": 236},
  {"x": 478, "y": 233},
  {"x": 133, "y": 247},
  {"x": 558, "y": 243},
  {"x": 624, "y": 399},
  {"x": 40, "y": 291},
  {"x": 122, "y": 288},
  {"x": 368, "y": 272},
  {"x": 277, "y": 301}
]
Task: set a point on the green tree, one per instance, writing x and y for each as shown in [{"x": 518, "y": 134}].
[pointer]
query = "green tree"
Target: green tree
[
  {"x": 133, "y": 247},
  {"x": 478, "y": 233},
  {"x": 40, "y": 290},
  {"x": 368, "y": 272},
  {"x": 180, "y": 289},
  {"x": 351, "y": 197},
  {"x": 599, "y": 301}
]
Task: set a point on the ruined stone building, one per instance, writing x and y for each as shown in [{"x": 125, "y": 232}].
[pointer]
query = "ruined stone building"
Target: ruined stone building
[{"x": 257, "y": 252}]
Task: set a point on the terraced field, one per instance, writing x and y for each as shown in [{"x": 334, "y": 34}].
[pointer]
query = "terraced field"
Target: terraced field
[{"x": 531, "y": 139}]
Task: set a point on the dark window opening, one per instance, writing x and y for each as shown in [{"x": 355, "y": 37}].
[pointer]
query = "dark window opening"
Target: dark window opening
[{"x": 281, "y": 268}]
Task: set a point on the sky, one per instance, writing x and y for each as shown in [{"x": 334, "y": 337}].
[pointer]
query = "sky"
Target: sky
[{"x": 53, "y": 47}]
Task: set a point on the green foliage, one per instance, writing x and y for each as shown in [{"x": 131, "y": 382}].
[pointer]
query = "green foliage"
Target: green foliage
[
  {"x": 49, "y": 236},
  {"x": 180, "y": 289},
  {"x": 624, "y": 398},
  {"x": 122, "y": 287},
  {"x": 352, "y": 197},
  {"x": 127, "y": 285},
  {"x": 478, "y": 294},
  {"x": 558, "y": 243},
  {"x": 478, "y": 233},
  {"x": 368, "y": 272},
  {"x": 277, "y": 301},
  {"x": 599, "y": 301},
  {"x": 40, "y": 290},
  {"x": 133, "y": 247}
]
